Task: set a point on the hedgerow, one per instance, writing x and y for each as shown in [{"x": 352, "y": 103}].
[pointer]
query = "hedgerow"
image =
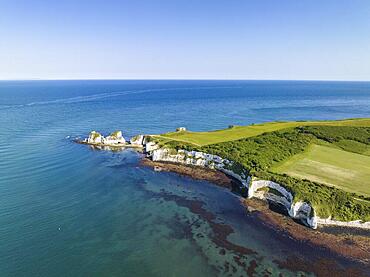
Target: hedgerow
[{"x": 338, "y": 133}]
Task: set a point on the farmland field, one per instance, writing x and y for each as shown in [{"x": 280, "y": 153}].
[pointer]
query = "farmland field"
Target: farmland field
[{"x": 331, "y": 166}]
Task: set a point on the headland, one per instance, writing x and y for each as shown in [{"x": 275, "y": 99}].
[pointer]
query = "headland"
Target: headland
[{"x": 316, "y": 172}]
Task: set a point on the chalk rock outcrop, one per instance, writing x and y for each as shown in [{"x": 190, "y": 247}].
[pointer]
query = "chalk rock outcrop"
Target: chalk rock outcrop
[
  {"x": 258, "y": 184},
  {"x": 95, "y": 137},
  {"x": 304, "y": 212},
  {"x": 150, "y": 147},
  {"x": 137, "y": 140},
  {"x": 278, "y": 194},
  {"x": 113, "y": 139}
]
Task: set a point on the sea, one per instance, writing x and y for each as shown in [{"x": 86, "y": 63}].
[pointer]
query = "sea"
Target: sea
[{"x": 70, "y": 210}]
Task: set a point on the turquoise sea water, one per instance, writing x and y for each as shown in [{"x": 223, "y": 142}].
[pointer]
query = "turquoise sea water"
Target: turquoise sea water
[{"x": 69, "y": 210}]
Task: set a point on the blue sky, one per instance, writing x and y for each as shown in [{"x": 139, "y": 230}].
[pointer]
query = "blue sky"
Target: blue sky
[{"x": 185, "y": 39}]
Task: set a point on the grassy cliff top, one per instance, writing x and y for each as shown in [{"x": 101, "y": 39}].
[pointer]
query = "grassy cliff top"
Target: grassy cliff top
[
  {"x": 331, "y": 166},
  {"x": 238, "y": 132}
]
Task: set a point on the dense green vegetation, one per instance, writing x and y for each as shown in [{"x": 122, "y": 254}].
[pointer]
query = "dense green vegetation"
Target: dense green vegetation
[
  {"x": 260, "y": 154},
  {"x": 353, "y": 146},
  {"x": 338, "y": 133},
  {"x": 348, "y": 138}
]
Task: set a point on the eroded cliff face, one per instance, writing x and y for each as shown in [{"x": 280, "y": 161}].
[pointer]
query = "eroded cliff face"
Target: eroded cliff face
[
  {"x": 278, "y": 194},
  {"x": 262, "y": 189},
  {"x": 198, "y": 159},
  {"x": 137, "y": 140}
]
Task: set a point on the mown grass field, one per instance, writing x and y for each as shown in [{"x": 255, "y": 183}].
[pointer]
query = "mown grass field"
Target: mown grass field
[
  {"x": 346, "y": 170},
  {"x": 238, "y": 132}
]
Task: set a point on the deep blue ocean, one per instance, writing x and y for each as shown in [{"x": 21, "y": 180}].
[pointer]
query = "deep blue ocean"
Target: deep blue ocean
[{"x": 69, "y": 210}]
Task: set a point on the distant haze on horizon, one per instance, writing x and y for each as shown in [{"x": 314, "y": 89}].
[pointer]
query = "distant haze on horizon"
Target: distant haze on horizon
[{"x": 185, "y": 39}]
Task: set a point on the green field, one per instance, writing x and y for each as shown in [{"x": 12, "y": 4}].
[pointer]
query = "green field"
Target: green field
[
  {"x": 331, "y": 166},
  {"x": 238, "y": 132}
]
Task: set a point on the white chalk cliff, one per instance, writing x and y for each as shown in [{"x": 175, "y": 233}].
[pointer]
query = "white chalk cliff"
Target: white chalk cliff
[
  {"x": 115, "y": 138},
  {"x": 95, "y": 137},
  {"x": 137, "y": 140}
]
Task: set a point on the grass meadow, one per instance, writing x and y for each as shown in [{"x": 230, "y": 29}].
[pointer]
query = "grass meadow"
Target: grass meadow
[{"x": 346, "y": 170}]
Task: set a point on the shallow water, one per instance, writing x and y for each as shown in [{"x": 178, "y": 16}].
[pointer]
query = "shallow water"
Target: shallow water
[{"x": 66, "y": 209}]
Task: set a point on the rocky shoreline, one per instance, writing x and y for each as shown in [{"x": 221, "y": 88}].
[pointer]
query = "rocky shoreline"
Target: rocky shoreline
[
  {"x": 353, "y": 247},
  {"x": 194, "y": 172}
]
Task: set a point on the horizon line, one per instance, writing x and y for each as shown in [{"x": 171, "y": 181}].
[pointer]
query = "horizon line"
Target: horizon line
[{"x": 175, "y": 79}]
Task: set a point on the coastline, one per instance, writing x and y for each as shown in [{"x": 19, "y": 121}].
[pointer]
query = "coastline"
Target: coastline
[{"x": 354, "y": 247}]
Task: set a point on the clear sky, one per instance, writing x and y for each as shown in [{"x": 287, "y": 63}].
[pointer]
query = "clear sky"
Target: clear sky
[{"x": 185, "y": 39}]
